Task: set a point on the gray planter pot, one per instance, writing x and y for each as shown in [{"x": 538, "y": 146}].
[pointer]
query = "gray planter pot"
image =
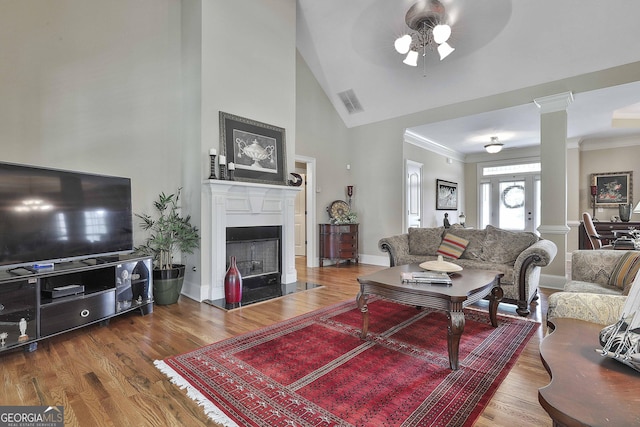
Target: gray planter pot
[{"x": 167, "y": 284}]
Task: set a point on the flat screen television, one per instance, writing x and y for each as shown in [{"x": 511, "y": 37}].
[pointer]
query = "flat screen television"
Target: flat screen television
[{"x": 49, "y": 215}]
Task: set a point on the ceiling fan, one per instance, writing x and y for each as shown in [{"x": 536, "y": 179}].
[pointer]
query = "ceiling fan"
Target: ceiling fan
[{"x": 428, "y": 19}]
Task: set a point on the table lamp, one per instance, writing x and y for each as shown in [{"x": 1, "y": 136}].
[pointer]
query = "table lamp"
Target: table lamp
[{"x": 637, "y": 208}]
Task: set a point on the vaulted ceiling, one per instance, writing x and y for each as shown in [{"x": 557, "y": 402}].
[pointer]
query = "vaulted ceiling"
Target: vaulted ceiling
[{"x": 504, "y": 50}]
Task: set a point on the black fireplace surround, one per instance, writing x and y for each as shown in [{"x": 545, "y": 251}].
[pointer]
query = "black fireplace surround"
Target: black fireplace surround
[{"x": 258, "y": 254}]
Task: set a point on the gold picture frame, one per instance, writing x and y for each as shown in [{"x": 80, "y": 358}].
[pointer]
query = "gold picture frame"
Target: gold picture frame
[{"x": 612, "y": 189}]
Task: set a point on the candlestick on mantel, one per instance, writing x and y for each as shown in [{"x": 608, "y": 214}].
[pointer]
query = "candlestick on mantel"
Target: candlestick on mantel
[
  {"x": 232, "y": 171},
  {"x": 212, "y": 156},
  {"x": 222, "y": 163}
]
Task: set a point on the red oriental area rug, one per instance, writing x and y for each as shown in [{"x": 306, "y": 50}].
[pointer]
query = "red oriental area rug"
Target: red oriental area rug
[{"x": 314, "y": 370}]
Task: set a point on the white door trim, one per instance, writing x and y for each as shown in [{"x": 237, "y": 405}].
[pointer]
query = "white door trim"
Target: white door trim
[{"x": 312, "y": 229}]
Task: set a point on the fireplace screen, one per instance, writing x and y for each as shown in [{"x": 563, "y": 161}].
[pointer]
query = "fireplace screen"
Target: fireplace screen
[{"x": 257, "y": 252}]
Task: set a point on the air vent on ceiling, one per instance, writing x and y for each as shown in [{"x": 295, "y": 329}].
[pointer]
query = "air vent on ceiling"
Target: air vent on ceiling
[{"x": 350, "y": 101}]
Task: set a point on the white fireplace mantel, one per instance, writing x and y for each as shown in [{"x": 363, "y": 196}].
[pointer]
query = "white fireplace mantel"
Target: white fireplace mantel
[{"x": 247, "y": 204}]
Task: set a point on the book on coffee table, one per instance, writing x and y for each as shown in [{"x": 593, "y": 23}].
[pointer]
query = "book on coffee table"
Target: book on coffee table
[{"x": 428, "y": 277}]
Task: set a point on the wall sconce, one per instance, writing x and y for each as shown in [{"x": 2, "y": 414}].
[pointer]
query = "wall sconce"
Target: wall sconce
[{"x": 350, "y": 193}]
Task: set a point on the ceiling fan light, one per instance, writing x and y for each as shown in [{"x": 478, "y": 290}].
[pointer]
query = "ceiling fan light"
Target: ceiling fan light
[
  {"x": 403, "y": 44},
  {"x": 412, "y": 58},
  {"x": 441, "y": 33},
  {"x": 444, "y": 50}
]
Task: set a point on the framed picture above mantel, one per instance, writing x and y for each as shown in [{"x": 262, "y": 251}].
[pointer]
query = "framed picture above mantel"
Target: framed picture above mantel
[
  {"x": 446, "y": 195},
  {"x": 256, "y": 149},
  {"x": 612, "y": 188}
]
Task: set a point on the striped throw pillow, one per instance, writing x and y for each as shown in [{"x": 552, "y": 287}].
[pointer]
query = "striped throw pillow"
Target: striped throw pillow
[
  {"x": 452, "y": 246},
  {"x": 625, "y": 270}
]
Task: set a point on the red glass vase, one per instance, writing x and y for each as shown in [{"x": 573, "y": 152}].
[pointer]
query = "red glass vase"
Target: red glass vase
[{"x": 233, "y": 283}]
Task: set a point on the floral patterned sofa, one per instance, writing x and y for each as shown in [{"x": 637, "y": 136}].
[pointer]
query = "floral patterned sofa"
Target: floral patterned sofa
[
  {"x": 518, "y": 255},
  {"x": 593, "y": 294}
]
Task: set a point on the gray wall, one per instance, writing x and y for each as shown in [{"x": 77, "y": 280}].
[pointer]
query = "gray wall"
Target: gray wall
[
  {"x": 94, "y": 86},
  {"x": 133, "y": 88}
]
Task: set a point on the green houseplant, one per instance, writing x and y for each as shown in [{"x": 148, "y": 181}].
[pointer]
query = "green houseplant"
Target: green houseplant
[{"x": 169, "y": 232}]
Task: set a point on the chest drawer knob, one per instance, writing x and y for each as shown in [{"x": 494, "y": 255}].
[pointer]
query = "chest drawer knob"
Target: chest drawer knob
[{"x": 84, "y": 313}]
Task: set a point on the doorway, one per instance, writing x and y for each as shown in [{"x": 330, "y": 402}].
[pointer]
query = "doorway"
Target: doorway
[
  {"x": 300, "y": 217},
  {"x": 413, "y": 194},
  {"x": 307, "y": 236}
]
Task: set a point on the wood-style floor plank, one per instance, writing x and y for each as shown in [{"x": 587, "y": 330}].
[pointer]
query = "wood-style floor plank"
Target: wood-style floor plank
[{"x": 104, "y": 375}]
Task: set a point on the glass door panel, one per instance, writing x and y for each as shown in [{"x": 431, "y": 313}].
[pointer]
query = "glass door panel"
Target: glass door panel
[{"x": 512, "y": 205}]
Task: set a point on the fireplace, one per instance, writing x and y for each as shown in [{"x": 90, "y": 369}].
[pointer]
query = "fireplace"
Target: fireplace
[
  {"x": 246, "y": 207},
  {"x": 258, "y": 257}
]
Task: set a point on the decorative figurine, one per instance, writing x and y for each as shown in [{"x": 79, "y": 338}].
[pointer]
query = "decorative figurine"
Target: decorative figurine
[
  {"x": 446, "y": 220},
  {"x": 23, "y": 330}
]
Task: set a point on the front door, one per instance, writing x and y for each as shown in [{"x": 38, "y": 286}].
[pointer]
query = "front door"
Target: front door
[{"x": 513, "y": 203}]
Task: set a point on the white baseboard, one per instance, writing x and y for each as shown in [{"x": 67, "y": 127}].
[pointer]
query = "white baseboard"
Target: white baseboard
[
  {"x": 374, "y": 260},
  {"x": 194, "y": 291},
  {"x": 552, "y": 281}
]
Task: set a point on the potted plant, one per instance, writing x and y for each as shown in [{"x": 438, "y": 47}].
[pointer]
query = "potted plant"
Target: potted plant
[{"x": 169, "y": 232}]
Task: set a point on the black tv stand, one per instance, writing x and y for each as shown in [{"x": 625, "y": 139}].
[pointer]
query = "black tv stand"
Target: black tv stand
[{"x": 34, "y": 305}]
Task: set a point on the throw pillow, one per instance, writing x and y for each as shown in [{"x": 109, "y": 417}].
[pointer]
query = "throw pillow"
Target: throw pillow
[
  {"x": 503, "y": 247},
  {"x": 452, "y": 246},
  {"x": 624, "y": 272},
  {"x": 475, "y": 238},
  {"x": 424, "y": 241}
]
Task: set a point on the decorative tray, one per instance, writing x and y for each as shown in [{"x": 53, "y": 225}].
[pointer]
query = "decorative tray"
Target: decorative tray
[
  {"x": 441, "y": 265},
  {"x": 338, "y": 209}
]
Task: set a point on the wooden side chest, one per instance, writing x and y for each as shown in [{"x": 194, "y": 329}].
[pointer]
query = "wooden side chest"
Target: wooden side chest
[{"x": 338, "y": 243}]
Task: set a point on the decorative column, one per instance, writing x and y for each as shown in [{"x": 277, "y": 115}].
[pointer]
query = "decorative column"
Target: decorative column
[{"x": 553, "y": 178}]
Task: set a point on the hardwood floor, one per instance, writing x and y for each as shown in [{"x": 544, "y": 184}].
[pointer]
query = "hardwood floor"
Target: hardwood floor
[{"x": 104, "y": 376}]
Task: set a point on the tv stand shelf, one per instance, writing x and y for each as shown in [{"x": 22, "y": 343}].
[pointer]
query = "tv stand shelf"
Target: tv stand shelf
[{"x": 46, "y": 302}]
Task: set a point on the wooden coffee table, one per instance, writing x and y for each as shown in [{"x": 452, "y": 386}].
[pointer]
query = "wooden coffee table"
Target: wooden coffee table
[
  {"x": 469, "y": 286},
  {"x": 586, "y": 389}
]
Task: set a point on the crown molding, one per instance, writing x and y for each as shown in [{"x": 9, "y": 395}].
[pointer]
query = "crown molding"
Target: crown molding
[
  {"x": 429, "y": 145},
  {"x": 608, "y": 143},
  {"x": 553, "y": 103}
]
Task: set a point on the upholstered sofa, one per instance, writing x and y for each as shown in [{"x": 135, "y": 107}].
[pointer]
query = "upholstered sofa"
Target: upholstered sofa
[
  {"x": 597, "y": 289},
  {"x": 518, "y": 255}
]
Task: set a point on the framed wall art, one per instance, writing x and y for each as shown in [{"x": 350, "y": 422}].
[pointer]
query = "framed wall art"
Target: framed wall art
[
  {"x": 446, "y": 195},
  {"x": 612, "y": 188},
  {"x": 256, "y": 149}
]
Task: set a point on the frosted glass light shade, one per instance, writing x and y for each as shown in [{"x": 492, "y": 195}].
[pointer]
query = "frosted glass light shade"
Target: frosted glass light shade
[
  {"x": 441, "y": 33},
  {"x": 412, "y": 58},
  {"x": 637, "y": 208},
  {"x": 444, "y": 50},
  {"x": 403, "y": 44},
  {"x": 493, "y": 148}
]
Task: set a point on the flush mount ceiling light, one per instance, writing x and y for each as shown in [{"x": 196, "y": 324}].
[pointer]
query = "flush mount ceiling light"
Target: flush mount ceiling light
[
  {"x": 495, "y": 146},
  {"x": 428, "y": 20}
]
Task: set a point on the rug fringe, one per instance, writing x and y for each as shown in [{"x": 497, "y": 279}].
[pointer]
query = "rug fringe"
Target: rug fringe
[{"x": 211, "y": 410}]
